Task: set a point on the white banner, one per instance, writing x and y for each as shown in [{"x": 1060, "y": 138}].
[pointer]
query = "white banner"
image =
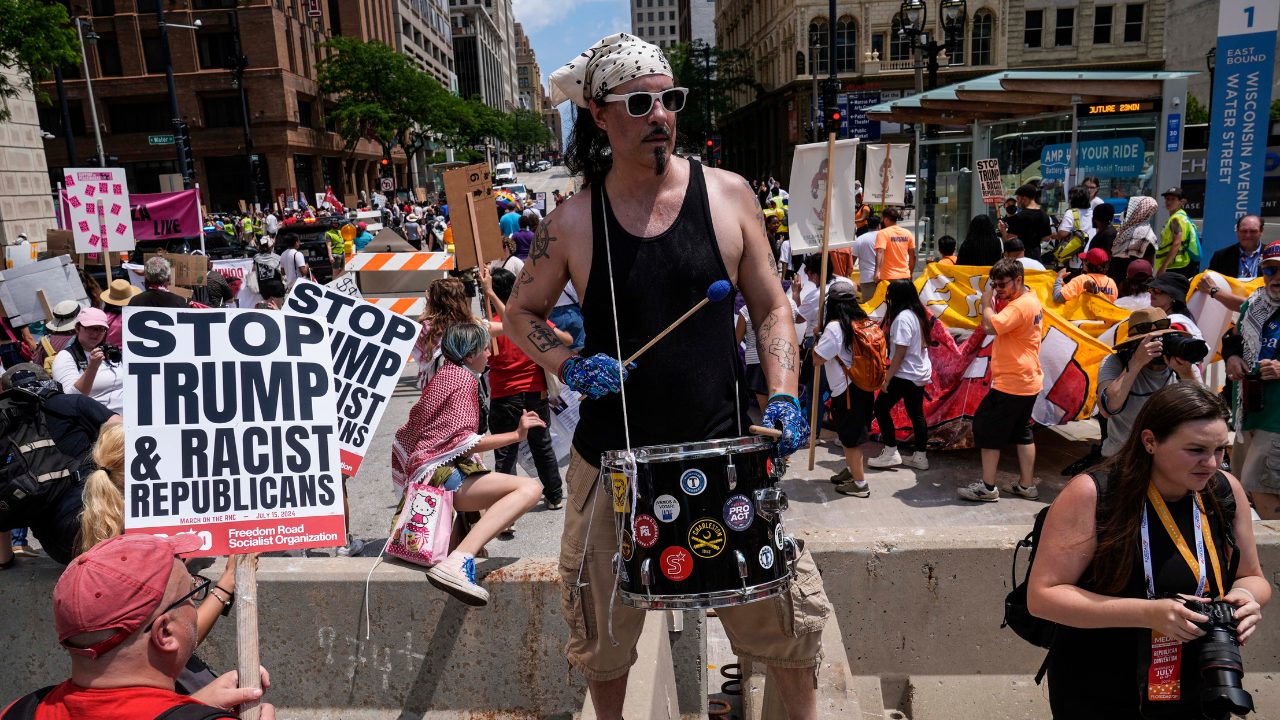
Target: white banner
[
  {"x": 235, "y": 271},
  {"x": 231, "y": 429},
  {"x": 98, "y": 201},
  {"x": 805, "y": 213},
  {"x": 886, "y": 161},
  {"x": 368, "y": 345}
]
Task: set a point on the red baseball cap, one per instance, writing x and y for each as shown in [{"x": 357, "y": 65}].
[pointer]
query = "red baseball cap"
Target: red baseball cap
[
  {"x": 117, "y": 584},
  {"x": 1138, "y": 267},
  {"x": 1096, "y": 256}
]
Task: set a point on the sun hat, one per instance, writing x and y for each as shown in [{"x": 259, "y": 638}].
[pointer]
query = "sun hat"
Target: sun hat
[
  {"x": 1172, "y": 283},
  {"x": 1146, "y": 323},
  {"x": 64, "y": 316},
  {"x": 120, "y": 292}
]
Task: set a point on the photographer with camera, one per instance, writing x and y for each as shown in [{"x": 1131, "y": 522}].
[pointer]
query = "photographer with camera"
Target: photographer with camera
[
  {"x": 91, "y": 366},
  {"x": 1155, "y": 354},
  {"x": 1252, "y": 351},
  {"x": 1149, "y": 568}
]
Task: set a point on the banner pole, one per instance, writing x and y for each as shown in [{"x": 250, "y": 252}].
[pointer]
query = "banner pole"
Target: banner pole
[
  {"x": 822, "y": 289},
  {"x": 247, "y": 664},
  {"x": 475, "y": 238},
  {"x": 106, "y": 249}
]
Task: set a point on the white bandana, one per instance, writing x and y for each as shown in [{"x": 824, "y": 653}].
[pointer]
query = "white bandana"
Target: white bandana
[{"x": 609, "y": 63}]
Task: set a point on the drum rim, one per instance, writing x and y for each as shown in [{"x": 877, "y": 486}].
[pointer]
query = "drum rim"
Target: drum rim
[
  {"x": 699, "y": 601},
  {"x": 690, "y": 450}
]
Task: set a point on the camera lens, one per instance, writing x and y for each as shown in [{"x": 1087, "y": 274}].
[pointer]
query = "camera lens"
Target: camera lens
[
  {"x": 1220, "y": 664},
  {"x": 1183, "y": 348}
]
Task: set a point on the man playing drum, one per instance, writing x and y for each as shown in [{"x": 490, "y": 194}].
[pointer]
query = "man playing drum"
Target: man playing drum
[{"x": 666, "y": 250}]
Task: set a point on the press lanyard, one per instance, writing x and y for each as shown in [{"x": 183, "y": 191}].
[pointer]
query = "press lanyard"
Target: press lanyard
[{"x": 1203, "y": 537}]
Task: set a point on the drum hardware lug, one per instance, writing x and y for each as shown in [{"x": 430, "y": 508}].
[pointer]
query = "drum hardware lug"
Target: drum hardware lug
[
  {"x": 770, "y": 502},
  {"x": 742, "y": 569},
  {"x": 731, "y": 472},
  {"x": 617, "y": 564},
  {"x": 646, "y": 573},
  {"x": 791, "y": 552}
]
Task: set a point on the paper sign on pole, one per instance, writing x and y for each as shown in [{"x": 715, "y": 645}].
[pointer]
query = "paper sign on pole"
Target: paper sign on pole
[
  {"x": 476, "y": 181},
  {"x": 188, "y": 270},
  {"x": 231, "y": 429},
  {"x": 806, "y": 214},
  {"x": 540, "y": 203},
  {"x": 369, "y": 346},
  {"x": 989, "y": 176},
  {"x": 886, "y": 164},
  {"x": 86, "y": 190}
]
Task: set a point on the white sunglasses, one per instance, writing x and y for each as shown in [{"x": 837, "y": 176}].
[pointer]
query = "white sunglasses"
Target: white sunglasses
[{"x": 640, "y": 103}]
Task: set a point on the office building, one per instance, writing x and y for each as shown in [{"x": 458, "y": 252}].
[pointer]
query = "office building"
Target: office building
[{"x": 657, "y": 21}]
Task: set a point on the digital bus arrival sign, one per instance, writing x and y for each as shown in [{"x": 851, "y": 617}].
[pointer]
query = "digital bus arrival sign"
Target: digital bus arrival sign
[{"x": 1116, "y": 108}]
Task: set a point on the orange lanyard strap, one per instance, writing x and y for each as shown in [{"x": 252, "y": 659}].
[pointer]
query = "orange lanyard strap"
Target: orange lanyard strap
[{"x": 1176, "y": 535}]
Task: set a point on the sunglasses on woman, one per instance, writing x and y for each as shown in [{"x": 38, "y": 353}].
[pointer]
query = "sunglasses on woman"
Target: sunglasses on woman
[
  {"x": 640, "y": 103},
  {"x": 1146, "y": 327}
]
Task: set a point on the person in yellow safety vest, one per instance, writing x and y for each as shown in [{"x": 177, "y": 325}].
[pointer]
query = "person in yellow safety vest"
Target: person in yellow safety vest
[
  {"x": 1179, "y": 249},
  {"x": 337, "y": 246},
  {"x": 777, "y": 207}
]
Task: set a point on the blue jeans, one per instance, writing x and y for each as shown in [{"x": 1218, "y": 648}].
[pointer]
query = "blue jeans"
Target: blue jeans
[
  {"x": 569, "y": 319},
  {"x": 19, "y": 536}
]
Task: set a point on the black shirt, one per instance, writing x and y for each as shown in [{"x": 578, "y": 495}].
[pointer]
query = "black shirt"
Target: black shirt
[
  {"x": 157, "y": 298},
  {"x": 1105, "y": 238},
  {"x": 74, "y": 421},
  {"x": 1031, "y": 226}
]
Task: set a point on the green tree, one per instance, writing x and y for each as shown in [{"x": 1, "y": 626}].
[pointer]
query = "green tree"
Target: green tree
[
  {"x": 730, "y": 73},
  {"x": 1275, "y": 109},
  {"x": 527, "y": 131},
  {"x": 1196, "y": 113},
  {"x": 34, "y": 39}
]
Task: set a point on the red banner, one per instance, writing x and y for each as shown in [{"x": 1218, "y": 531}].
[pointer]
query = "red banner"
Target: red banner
[{"x": 165, "y": 215}]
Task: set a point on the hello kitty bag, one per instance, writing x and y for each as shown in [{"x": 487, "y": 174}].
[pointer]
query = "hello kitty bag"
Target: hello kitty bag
[{"x": 422, "y": 529}]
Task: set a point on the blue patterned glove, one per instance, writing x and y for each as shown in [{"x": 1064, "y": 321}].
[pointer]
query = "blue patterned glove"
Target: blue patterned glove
[
  {"x": 595, "y": 376},
  {"x": 783, "y": 413}
]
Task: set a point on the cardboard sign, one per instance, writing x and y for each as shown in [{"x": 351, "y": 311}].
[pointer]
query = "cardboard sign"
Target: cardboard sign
[
  {"x": 230, "y": 430},
  {"x": 476, "y": 181},
  {"x": 188, "y": 270},
  {"x": 369, "y": 346},
  {"x": 347, "y": 286},
  {"x": 992, "y": 186},
  {"x": 96, "y": 207},
  {"x": 58, "y": 277}
]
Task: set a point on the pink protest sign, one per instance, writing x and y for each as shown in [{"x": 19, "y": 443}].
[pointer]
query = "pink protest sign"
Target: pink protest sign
[
  {"x": 89, "y": 194},
  {"x": 165, "y": 215}
]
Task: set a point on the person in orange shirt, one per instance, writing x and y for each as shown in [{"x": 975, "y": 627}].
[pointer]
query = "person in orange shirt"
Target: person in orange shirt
[
  {"x": 1004, "y": 415},
  {"x": 947, "y": 248},
  {"x": 1094, "y": 280},
  {"x": 895, "y": 248},
  {"x": 862, "y": 215}
]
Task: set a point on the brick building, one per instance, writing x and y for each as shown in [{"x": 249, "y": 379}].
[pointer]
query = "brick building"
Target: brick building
[{"x": 296, "y": 145}]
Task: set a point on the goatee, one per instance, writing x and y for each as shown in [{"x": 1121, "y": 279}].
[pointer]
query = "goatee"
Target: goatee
[{"x": 659, "y": 160}]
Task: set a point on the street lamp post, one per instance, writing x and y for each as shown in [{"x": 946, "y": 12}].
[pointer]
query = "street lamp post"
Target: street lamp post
[
  {"x": 238, "y": 64},
  {"x": 91, "y": 38},
  {"x": 66, "y": 117},
  {"x": 173, "y": 90},
  {"x": 1210, "y": 59},
  {"x": 913, "y": 17}
]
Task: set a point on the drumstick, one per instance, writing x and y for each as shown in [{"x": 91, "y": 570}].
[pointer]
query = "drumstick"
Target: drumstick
[
  {"x": 718, "y": 291},
  {"x": 767, "y": 432}
]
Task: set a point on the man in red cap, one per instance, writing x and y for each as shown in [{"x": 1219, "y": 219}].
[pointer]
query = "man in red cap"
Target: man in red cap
[
  {"x": 1094, "y": 279},
  {"x": 126, "y": 612}
]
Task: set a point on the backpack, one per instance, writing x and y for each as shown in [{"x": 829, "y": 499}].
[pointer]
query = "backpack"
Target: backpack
[
  {"x": 869, "y": 361},
  {"x": 1074, "y": 243},
  {"x": 1038, "y": 631},
  {"x": 29, "y": 458},
  {"x": 49, "y": 352},
  {"x": 25, "y": 709}
]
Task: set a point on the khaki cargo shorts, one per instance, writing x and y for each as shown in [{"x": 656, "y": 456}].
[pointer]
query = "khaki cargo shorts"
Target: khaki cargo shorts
[
  {"x": 783, "y": 631},
  {"x": 1256, "y": 460}
]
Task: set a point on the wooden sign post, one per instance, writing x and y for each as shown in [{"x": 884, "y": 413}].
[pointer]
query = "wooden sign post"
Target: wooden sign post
[
  {"x": 475, "y": 238},
  {"x": 822, "y": 289},
  {"x": 248, "y": 664}
]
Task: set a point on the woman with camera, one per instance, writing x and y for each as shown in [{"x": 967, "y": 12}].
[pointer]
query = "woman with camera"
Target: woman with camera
[
  {"x": 1126, "y": 546},
  {"x": 90, "y": 366}
]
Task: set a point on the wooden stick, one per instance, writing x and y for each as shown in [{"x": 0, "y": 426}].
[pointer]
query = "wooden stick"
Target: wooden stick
[
  {"x": 884, "y": 179},
  {"x": 822, "y": 290},
  {"x": 44, "y": 302},
  {"x": 670, "y": 327},
  {"x": 475, "y": 237},
  {"x": 247, "y": 633},
  {"x": 767, "y": 432}
]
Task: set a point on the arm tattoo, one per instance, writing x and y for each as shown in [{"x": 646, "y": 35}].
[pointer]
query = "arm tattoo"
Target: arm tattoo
[
  {"x": 541, "y": 245},
  {"x": 524, "y": 279},
  {"x": 542, "y": 337},
  {"x": 766, "y": 328},
  {"x": 785, "y": 352}
]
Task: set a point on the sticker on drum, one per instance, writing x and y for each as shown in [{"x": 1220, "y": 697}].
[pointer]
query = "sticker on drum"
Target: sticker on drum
[
  {"x": 667, "y": 508},
  {"x": 777, "y": 536},
  {"x": 766, "y": 557},
  {"x": 677, "y": 563},
  {"x": 706, "y": 538},
  {"x": 621, "y": 503},
  {"x": 646, "y": 531},
  {"x": 693, "y": 482},
  {"x": 627, "y": 548},
  {"x": 738, "y": 513}
]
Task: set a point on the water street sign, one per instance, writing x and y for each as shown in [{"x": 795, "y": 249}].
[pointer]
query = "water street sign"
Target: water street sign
[{"x": 160, "y": 139}]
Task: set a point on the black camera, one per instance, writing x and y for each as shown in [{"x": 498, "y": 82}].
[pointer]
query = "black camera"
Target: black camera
[
  {"x": 1220, "y": 665},
  {"x": 1183, "y": 348},
  {"x": 112, "y": 353}
]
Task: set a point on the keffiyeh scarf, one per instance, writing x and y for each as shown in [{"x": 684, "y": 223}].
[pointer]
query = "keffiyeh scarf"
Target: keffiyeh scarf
[
  {"x": 447, "y": 421},
  {"x": 1134, "y": 229},
  {"x": 1252, "y": 324}
]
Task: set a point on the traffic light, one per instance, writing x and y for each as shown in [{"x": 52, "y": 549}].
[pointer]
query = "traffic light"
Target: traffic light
[
  {"x": 385, "y": 163},
  {"x": 830, "y": 111},
  {"x": 182, "y": 136}
]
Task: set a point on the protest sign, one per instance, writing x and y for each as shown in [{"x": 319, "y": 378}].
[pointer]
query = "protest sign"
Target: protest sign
[
  {"x": 230, "y": 432},
  {"x": 157, "y": 216},
  {"x": 97, "y": 208},
  {"x": 347, "y": 286},
  {"x": 564, "y": 421},
  {"x": 188, "y": 270},
  {"x": 992, "y": 186},
  {"x": 369, "y": 346},
  {"x": 808, "y": 213},
  {"x": 473, "y": 180},
  {"x": 886, "y": 178},
  {"x": 235, "y": 270}
]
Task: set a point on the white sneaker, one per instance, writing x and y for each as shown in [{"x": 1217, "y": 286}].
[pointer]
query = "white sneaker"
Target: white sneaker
[
  {"x": 353, "y": 548},
  {"x": 978, "y": 492},
  {"x": 917, "y": 460},
  {"x": 1030, "y": 493},
  {"x": 887, "y": 458},
  {"x": 457, "y": 576}
]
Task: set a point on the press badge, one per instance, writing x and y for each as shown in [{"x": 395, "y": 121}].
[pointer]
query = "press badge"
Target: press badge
[{"x": 1164, "y": 679}]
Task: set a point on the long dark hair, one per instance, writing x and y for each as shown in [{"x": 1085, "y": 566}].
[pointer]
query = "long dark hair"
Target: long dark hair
[
  {"x": 1119, "y": 514},
  {"x": 901, "y": 295},
  {"x": 843, "y": 307},
  {"x": 981, "y": 245},
  {"x": 588, "y": 151}
]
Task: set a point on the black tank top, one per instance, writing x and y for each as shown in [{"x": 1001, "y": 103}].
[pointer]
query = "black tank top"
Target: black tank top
[
  {"x": 682, "y": 388},
  {"x": 1094, "y": 673}
]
